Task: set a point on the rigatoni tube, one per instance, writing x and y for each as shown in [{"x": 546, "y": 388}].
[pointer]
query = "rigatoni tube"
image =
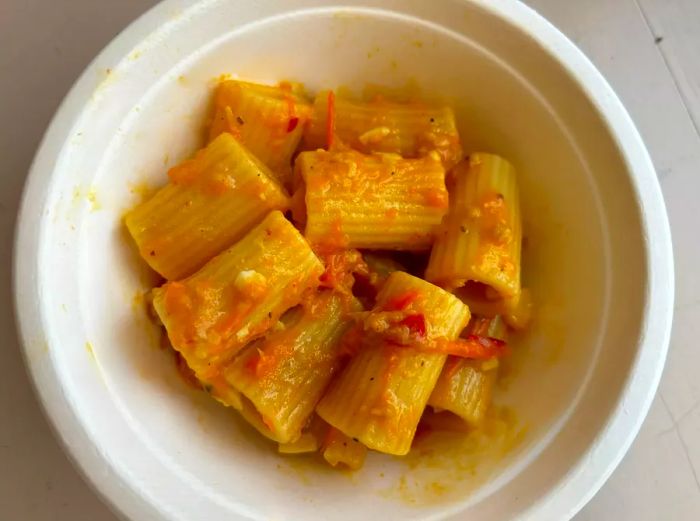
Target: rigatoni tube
[
  {"x": 211, "y": 201},
  {"x": 380, "y": 396},
  {"x": 408, "y": 129},
  {"x": 237, "y": 296},
  {"x": 465, "y": 386},
  {"x": 481, "y": 236},
  {"x": 378, "y": 201},
  {"x": 286, "y": 373},
  {"x": 268, "y": 120}
]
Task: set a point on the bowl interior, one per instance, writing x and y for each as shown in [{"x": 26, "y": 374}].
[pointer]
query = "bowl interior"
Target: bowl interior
[{"x": 583, "y": 260}]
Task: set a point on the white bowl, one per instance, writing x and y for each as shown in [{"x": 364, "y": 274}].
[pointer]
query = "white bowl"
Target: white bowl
[{"x": 598, "y": 259}]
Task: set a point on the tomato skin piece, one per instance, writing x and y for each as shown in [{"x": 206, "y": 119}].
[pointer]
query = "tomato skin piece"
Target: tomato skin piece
[{"x": 416, "y": 323}]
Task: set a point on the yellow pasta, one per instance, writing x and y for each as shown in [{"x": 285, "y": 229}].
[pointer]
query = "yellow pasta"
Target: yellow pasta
[
  {"x": 408, "y": 129},
  {"x": 339, "y": 449},
  {"x": 310, "y": 440},
  {"x": 285, "y": 374},
  {"x": 254, "y": 418},
  {"x": 306, "y": 443},
  {"x": 268, "y": 120},
  {"x": 465, "y": 386},
  {"x": 236, "y": 297},
  {"x": 481, "y": 237},
  {"x": 379, "y": 201},
  {"x": 516, "y": 311},
  {"x": 211, "y": 201},
  {"x": 224, "y": 394},
  {"x": 381, "y": 394},
  {"x": 333, "y": 319}
]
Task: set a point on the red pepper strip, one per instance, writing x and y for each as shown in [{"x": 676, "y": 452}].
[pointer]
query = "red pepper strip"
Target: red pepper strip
[
  {"x": 293, "y": 122},
  {"x": 330, "y": 120},
  {"x": 474, "y": 346},
  {"x": 416, "y": 323},
  {"x": 401, "y": 301}
]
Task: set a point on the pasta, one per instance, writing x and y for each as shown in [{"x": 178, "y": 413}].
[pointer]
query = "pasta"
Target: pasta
[
  {"x": 481, "y": 237},
  {"x": 211, "y": 201},
  {"x": 373, "y": 303},
  {"x": 408, "y": 129},
  {"x": 285, "y": 375},
  {"x": 355, "y": 200},
  {"x": 237, "y": 296},
  {"x": 311, "y": 438},
  {"x": 269, "y": 121},
  {"x": 341, "y": 450},
  {"x": 380, "y": 396},
  {"x": 516, "y": 311},
  {"x": 465, "y": 386}
]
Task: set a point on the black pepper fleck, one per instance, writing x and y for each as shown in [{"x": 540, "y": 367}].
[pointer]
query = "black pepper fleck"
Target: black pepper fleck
[
  {"x": 240, "y": 120},
  {"x": 463, "y": 229},
  {"x": 355, "y": 439},
  {"x": 153, "y": 253},
  {"x": 432, "y": 120}
]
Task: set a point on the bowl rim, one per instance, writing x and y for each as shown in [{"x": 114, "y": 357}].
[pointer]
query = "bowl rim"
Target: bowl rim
[{"x": 576, "y": 488}]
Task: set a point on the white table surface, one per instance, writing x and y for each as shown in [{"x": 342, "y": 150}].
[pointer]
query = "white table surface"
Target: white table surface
[{"x": 648, "y": 50}]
